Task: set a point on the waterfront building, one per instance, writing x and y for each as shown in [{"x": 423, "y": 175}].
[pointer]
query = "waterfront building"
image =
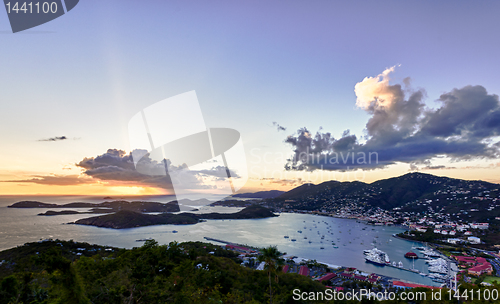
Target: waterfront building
[
  {"x": 304, "y": 270},
  {"x": 404, "y": 285},
  {"x": 474, "y": 240},
  {"x": 327, "y": 277}
]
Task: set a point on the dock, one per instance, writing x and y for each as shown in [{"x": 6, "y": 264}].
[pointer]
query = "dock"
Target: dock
[
  {"x": 229, "y": 243},
  {"x": 219, "y": 241},
  {"x": 401, "y": 268}
]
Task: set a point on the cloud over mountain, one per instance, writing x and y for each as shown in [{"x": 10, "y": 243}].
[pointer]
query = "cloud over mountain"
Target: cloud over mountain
[
  {"x": 117, "y": 165},
  {"x": 402, "y": 129}
]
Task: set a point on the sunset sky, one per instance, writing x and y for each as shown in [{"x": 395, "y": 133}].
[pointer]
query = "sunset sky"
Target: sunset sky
[{"x": 417, "y": 82}]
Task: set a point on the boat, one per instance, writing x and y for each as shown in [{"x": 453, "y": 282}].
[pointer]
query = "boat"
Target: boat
[
  {"x": 400, "y": 264},
  {"x": 376, "y": 256},
  {"x": 321, "y": 247},
  {"x": 293, "y": 240},
  {"x": 433, "y": 276},
  {"x": 411, "y": 255},
  {"x": 286, "y": 236},
  {"x": 374, "y": 260},
  {"x": 174, "y": 231},
  {"x": 430, "y": 253}
]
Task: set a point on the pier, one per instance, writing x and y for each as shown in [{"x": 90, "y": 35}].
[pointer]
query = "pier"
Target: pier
[
  {"x": 219, "y": 241},
  {"x": 401, "y": 268},
  {"x": 229, "y": 243}
]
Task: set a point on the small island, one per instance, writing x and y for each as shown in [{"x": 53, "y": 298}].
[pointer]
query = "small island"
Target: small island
[
  {"x": 130, "y": 219},
  {"x": 105, "y": 207}
]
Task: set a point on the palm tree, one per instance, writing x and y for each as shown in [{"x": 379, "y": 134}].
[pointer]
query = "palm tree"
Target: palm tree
[{"x": 273, "y": 262}]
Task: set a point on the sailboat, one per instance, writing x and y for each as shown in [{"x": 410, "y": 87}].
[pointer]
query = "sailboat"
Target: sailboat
[{"x": 413, "y": 267}]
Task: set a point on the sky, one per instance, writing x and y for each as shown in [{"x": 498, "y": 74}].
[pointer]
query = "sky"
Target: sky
[{"x": 414, "y": 81}]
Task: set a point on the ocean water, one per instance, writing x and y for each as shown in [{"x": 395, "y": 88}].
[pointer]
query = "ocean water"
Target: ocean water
[{"x": 19, "y": 226}]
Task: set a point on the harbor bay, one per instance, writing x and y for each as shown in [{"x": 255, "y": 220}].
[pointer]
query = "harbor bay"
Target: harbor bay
[{"x": 343, "y": 240}]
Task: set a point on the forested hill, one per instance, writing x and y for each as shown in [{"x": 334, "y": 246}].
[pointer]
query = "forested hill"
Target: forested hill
[
  {"x": 193, "y": 272},
  {"x": 390, "y": 193},
  {"x": 129, "y": 219}
]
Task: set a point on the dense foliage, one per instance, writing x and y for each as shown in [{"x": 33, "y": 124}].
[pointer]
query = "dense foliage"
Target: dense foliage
[{"x": 191, "y": 272}]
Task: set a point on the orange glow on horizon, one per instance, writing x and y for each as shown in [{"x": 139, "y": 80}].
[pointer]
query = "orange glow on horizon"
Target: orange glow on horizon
[{"x": 91, "y": 189}]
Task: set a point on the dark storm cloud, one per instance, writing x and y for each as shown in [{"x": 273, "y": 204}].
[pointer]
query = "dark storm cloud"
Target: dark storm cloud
[
  {"x": 117, "y": 165},
  {"x": 401, "y": 129},
  {"x": 468, "y": 112}
]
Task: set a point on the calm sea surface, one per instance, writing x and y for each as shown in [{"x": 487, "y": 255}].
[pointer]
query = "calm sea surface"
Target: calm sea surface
[{"x": 19, "y": 226}]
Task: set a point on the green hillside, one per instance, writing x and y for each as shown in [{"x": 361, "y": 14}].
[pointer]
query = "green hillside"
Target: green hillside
[{"x": 193, "y": 272}]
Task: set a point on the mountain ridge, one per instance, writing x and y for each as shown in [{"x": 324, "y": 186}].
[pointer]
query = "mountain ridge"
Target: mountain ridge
[{"x": 394, "y": 192}]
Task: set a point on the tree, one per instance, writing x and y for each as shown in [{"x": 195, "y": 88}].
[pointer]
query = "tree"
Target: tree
[{"x": 273, "y": 262}]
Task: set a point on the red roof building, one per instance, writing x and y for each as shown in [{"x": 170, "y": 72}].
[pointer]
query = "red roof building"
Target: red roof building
[
  {"x": 285, "y": 268},
  {"x": 239, "y": 248},
  {"x": 478, "y": 265},
  {"x": 480, "y": 269},
  {"x": 327, "y": 277},
  {"x": 346, "y": 275},
  {"x": 304, "y": 271},
  {"x": 399, "y": 284},
  {"x": 359, "y": 277}
]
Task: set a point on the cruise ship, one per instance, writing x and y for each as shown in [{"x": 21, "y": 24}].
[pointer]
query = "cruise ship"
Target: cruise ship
[{"x": 377, "y": 257}]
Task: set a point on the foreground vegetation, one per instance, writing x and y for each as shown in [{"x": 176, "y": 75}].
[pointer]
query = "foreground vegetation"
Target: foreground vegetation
[{"x": 194, "y": 272}]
